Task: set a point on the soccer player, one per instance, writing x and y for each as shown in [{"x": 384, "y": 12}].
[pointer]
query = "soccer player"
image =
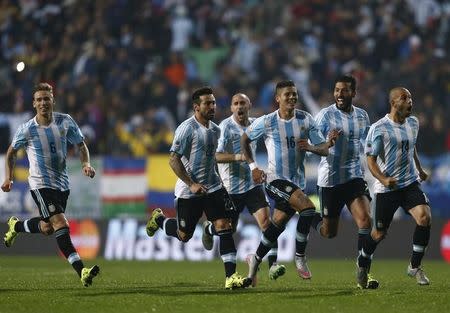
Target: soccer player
[
  {"x": 286, "y": 132},
  {"x": 45, "y": 138},
  {"x": 199, "y": 189},
  {"x": 237, "y": 178},
  {"x": 393, "y": 160},
  {"x": 340, "y": 176}
]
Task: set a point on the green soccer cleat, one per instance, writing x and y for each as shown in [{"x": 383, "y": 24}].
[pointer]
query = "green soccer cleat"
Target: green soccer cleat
[
  {"x": 276, "y": 270},
  {"x": 372, "y": 283},
  {"x": 152, "y": 227},
  {"x": 87, "y": 274},
  {"x": 236, "y": 281},
  {"x": 11, "y": 234}
]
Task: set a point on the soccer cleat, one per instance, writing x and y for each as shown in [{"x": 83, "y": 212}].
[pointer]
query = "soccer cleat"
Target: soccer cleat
[
  {"x": 276, "y": 270},
  {"x": 302, "y": 267},
  {"x": 207, "y": 239},
  {"x": 87, "y": 274},
  {"x": 236, "y": 281},
  {"x": 11, "y": 234},
  {"x": 152, "y": 226},
  {"x": 361, "y": 277},
  {"x": 418, "y": 272},
  {"x": 253, "y": 268},
  {"x": 372, "y": 283}
]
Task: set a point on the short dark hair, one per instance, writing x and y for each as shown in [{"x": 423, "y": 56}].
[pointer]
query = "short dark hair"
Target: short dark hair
[
  {"x": 206, "y": 90},
  {"x": 42, "y": 87},
  {"x": 283, "y": 84},
  {"x": 347, "y": 78}
]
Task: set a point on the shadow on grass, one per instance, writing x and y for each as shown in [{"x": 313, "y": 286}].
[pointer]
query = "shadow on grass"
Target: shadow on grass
[{"x": 202, "y": 290}]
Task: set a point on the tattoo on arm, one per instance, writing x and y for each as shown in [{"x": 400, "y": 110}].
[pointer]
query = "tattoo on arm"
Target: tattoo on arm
[{"x": 179, "y": 169}]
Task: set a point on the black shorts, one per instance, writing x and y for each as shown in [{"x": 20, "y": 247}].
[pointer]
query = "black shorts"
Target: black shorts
[
  {"x": 333, "y": 199},
  {"x": 387, "y": 203},
  {"x": 50, "y": 201},
  {"x": 281, "y": 191},
  {"x": 215, "y": 206},
  {"x": 254, "y": 199}
]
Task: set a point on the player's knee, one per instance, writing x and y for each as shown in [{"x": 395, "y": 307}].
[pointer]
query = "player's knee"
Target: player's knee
[
  {"x": 223, "y": 224},
  {"x": 378, "y": 235},
  {"x": 424, "y": 220},
  {"x": 264, "y": 223},
  {"x": 184, "y": 237},
  {"x": 46, "y": 229}
]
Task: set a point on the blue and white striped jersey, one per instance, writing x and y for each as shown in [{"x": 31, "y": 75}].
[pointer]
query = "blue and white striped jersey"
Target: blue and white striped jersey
[
  {"x": 46, "y": 148},
  {"x": 236, "y": 176},
  {"x": 394, "y": 144},
  {"x": 197, "y": 147},
  {"x": 281, "y": 136},
  {"x": 343, "y": 162}
]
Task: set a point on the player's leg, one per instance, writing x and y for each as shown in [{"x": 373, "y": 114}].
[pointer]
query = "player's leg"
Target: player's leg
[
  {"x": 33, "y": 225},
  {"x": 216, "y": 207},
  {"x": 385, "y": 205},
  {"x": 269, "y": 239},
  {"x": 416, "y": 203},
  {"x": 183, "y": 226},
  {"x": 331, "y": 203},
  {"x": 304, "y": 206},
  {"x": 258, "y": 205},
  {"x": 52, "y": 206},
  {"x": 360, "y": 209}
]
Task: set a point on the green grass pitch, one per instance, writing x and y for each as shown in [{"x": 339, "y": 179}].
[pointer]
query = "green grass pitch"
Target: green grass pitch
[{"x": 38, "y": 284}]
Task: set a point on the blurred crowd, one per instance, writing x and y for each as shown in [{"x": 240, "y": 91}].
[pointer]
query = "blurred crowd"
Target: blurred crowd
[{"x": 125, "y": 69}]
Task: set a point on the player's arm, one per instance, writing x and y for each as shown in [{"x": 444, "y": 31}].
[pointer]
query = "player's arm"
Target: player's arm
[
  {"x": 10, "y": 163},
  {"x": 86, "y": 166},
  {"x": 422, "y": 174},
  {"x": 179, "y": 170},
  {"x": 320, "y": 149},
  {"x": 229, "y": 157},
  {"x": 387, "y": 181},
  {"x": 258, "y": 175}
]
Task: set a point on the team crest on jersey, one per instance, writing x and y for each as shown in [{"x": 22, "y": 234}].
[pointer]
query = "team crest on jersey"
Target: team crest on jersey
[
  {"x": 182, "y": 223},
  {"x": 380, "y": 224},
  {"x": 288, "y": 189},
  {"x": 52, "y": 208}
]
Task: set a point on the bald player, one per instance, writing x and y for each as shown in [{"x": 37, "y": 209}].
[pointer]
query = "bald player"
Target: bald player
[
  {"x": 392, "y": 159},
  {"x": 237, "y": 178}
]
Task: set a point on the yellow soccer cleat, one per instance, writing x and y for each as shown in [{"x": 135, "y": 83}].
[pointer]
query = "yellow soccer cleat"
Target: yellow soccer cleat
[
  {"x": 11, "y": 234},
  {"x": 152, "y": 227},
  {"x": 236, "y": 281},
  {"x": 87, "y": 274}
]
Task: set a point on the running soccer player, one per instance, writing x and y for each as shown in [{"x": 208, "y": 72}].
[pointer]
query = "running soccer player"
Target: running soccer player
[
  {"x": 340, "y": 178},
  {"x": 286, "y": 133},
  {"x": 236, "y": 176},
  {"x": 45, "y": 138},
  {"x": 199, "y": 189},
  {"x": 393, "y": 160}
]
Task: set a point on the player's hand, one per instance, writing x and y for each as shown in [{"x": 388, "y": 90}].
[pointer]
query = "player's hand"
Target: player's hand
[
  {"x": 423, "y": 175},
  {"x": 198, "y": 189},
  {"x": 333, "y": 136},
  {"x": 88, "y": 170},
  {"x": 303, "y": 144},
  {"x": 258, "y": 176},
  {"x": 7, "y": 185},
  {"x": 389, "y": 182},
  {"x": 240, "y": 157}
]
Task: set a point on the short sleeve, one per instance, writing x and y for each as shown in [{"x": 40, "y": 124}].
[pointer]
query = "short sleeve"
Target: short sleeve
[
  {"x": 315, "y": 135},
  {"x": 374, "y": 142},
  {"x": 20, "y": 138},
  {"x": 182, "y": 139},
  {"x": 257, "y": 128},
  {"x": 74, "y": 135}
]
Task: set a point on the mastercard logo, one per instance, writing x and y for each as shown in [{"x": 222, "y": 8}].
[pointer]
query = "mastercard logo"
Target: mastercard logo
[
  {"x": 445, "y": 242},
  {"x": 85, "y": 237}
]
